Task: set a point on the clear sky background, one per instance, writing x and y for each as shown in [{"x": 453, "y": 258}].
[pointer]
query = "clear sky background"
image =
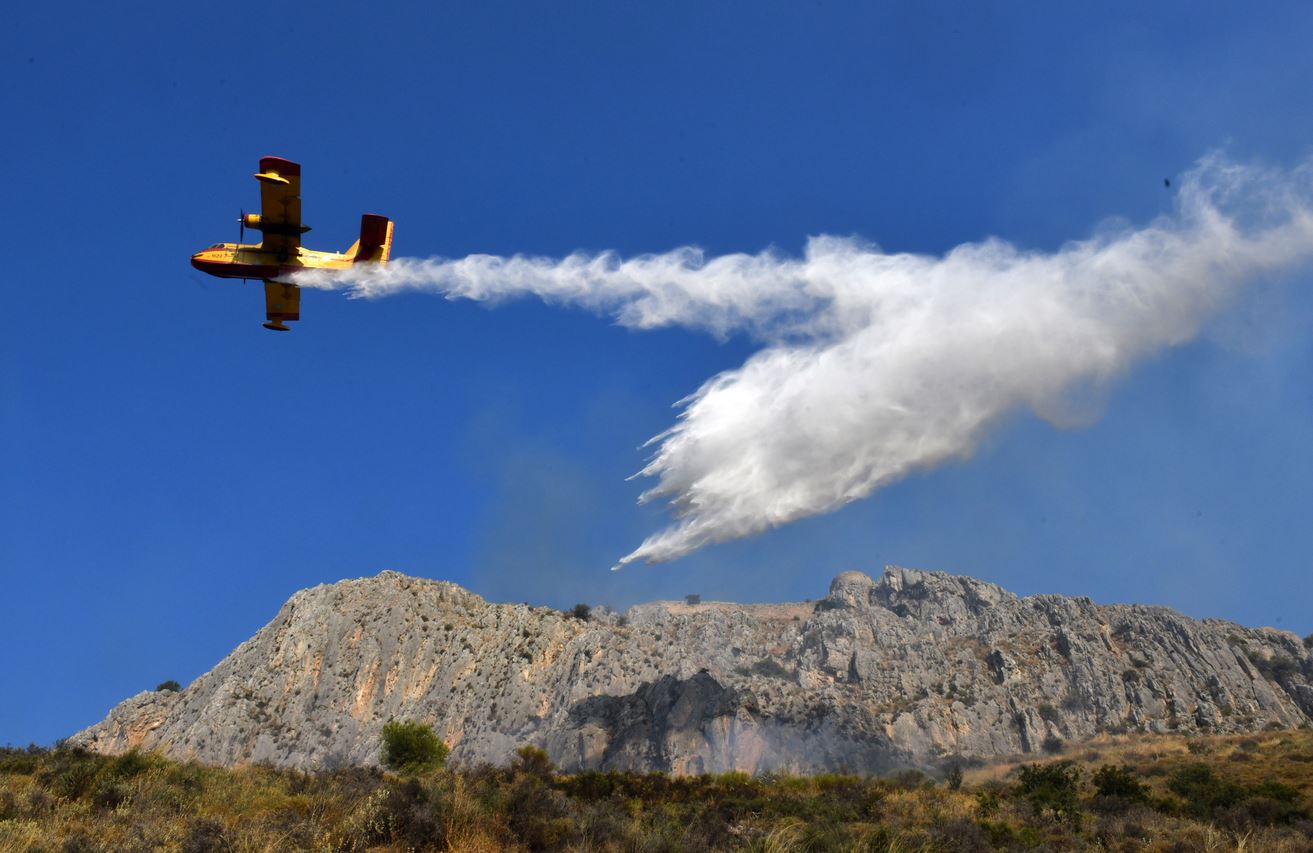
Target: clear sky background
[{"x": 170, "y": 471}]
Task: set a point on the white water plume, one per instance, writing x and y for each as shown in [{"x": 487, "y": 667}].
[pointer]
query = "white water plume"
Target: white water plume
[{"x": 875, "y": 365}]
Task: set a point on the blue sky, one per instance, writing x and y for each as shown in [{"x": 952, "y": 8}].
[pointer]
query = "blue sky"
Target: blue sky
[{"x": 170, "y": 472}]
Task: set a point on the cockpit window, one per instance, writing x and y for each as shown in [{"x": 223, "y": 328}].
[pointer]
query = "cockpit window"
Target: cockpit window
[{"x": 217, "y": 246}]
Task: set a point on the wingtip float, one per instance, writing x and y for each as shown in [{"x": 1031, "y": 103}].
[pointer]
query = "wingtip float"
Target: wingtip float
[{"x": 279, "y": 254}]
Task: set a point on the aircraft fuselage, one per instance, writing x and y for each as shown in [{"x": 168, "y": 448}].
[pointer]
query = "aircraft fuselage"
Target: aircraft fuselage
[{"x": 240, "y": 260}]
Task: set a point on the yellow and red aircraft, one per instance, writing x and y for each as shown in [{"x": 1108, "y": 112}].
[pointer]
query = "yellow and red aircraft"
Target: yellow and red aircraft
[{"x": 280, "y": 253}]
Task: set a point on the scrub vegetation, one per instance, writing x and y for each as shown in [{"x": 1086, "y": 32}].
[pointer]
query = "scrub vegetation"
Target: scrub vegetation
[
  {"x": 1147, "y": 793},
  {"x": 411, "y": 748}
]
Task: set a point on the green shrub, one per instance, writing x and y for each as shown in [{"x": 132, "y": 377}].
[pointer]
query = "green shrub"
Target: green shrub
[
  {"x": 582, "y": 612},
  {"x": 409, "y": 816},
  {"x": 1203, "y": 792},
  {"x": 170, "y": 686},
  {"x": 1049, "y": 714},
  {"x": 1120, "y": 782},
  {"x": 1052, "y": 789},
  {"x": 1260, "y": 811},
  {"x": 71, "y": 774},
  {"x": 23, "y": 762},
  {"x": 131, "y": 763},
  {"x": 204, "y": 835},
  {"x": 411, "y": 748},
  {"x": 987, "y": 802},
  {"x": 109, "y": 795},
  {"x": 8, "y": 806},
  {"x": 998, "y": 835},
  {"x": 911, "y": 779},
  {"x": 1279, "y": 791},
  {"x": 1275, "y": 668},
  {"x": 1266, "y": 803},
  {"x": 537, "y": 814},
  {"x": 532, "y": 761},
  {"x": 79, "y": 842}
]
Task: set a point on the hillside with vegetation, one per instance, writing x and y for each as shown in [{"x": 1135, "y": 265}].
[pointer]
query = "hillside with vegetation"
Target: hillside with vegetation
[{"x": 1143, "y": 793}]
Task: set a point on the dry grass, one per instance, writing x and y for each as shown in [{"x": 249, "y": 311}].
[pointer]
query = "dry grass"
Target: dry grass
[
  {"x": 67, "y": 801},
  {"x": 1285, "y": 756}
]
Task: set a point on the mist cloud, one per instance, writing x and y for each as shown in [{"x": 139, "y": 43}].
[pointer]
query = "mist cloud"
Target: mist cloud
[{"x": 875, "y": 365}]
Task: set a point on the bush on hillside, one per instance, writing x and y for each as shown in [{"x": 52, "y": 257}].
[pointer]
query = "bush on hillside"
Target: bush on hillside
[
  {"x": 1274, "y": 668},
  {"x": 1204, "y": 792},
  {"x": 411, "y": 748},
  {"x": 1120, "y": 782},
  {"x": 1052, "y": 789},
  {"x": 532, "y": 761}
]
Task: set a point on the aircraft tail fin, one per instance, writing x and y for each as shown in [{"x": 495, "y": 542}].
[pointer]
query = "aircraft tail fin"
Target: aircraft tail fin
[{"x": 375, "y": 243}]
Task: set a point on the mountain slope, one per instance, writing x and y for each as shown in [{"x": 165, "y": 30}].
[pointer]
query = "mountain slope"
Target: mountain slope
[{"x": 881, "y": 673}]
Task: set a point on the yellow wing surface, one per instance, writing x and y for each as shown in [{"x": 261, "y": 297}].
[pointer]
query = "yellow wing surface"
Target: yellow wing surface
[
  {"x": 280, "y": 206},
  {"x": 282, "y": 302}
]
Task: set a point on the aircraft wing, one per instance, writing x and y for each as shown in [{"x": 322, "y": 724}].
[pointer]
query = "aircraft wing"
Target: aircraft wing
[
  {"x": 281, "y": 302},
  {"x": 280, "y": 204}
]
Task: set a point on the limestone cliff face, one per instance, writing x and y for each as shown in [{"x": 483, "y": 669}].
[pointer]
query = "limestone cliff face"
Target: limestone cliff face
[{"x": 897, "y": 671}]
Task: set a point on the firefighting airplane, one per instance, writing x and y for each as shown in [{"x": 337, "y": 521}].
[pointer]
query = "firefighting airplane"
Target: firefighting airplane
[{"x": 279, "y": 254}]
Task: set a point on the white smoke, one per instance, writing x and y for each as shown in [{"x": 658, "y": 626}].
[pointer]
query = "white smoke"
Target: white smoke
[{"x": 875, "y": 365}]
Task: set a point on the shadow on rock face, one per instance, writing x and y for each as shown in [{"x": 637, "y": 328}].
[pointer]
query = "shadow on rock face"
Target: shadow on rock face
[{"x": 697, "y": 725}]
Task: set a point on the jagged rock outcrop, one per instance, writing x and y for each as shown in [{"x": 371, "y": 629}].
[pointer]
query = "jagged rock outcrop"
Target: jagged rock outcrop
[{"x": 899, "y": 671}]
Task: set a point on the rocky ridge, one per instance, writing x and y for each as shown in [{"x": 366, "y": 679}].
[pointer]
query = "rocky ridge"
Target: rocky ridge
[{"x": 909, "y": 669}]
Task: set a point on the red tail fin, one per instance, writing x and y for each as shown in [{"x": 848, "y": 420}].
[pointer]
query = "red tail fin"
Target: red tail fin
[{"x": 375, "y": 244}]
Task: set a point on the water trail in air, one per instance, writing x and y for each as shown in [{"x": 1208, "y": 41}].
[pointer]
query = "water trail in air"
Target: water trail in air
[{"x": 874, "y": 365}]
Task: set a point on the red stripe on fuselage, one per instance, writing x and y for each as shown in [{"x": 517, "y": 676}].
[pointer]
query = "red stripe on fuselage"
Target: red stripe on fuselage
[{"x": 228, "y": 269}]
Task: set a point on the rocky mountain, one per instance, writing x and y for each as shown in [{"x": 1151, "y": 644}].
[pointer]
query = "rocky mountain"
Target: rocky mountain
[{"x": 906, "y": 670}]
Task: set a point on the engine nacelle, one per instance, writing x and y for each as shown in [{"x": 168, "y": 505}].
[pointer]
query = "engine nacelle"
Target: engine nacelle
[{"x": 255, "y": 223}]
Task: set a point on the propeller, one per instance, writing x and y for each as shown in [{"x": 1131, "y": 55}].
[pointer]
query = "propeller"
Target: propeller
[{"x": 241, "y": 233}]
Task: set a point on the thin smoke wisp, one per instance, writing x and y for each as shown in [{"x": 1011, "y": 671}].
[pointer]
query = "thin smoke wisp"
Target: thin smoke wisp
[{"x": 874, "y": 365}]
